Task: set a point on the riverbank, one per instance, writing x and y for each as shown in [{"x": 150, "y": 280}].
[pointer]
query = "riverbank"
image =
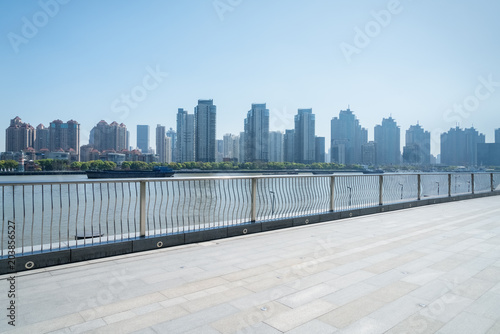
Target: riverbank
[
  {"x": 200, "y": 171},
  {"x": 52, "y": 172}
]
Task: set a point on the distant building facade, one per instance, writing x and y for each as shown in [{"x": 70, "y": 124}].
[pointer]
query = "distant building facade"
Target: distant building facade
[
  {"x": 488, "y": 155},
  {"x": 320, "y": 149},
  {"x": 417, "y": 149},
  {"x": 42, "y": 138},
  {"x": 459, "y": 147},
  {"x": 185, "y": 136},
  {"x": 289, "y": 146},
  {"x": 369, "y": 154},
  {"x": 305, "y": 136},
  {"x": 276, "y": 146},
  {"x": 205, "y": 114},
  {"x": 143, "y": 138},
  {"x": 388, "y": 138},
  {"x": 65, "y": 137},
  {"x": 256, "y": 128},
  {"x": 347, "y": 137},
  {"x": 19, "y": 136},
  {"x": 173, "y": 143},
  {"x": 109, "y": 137},
  {"x": 163, "y": 145}
]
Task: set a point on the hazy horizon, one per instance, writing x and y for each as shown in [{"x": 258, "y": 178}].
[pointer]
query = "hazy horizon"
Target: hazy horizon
[{"x": 417, "y": 61}]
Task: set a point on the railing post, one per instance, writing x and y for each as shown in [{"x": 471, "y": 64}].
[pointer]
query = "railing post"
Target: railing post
[
  {"x": 492, "y": 183},
  {"x": 254, "y": 200},
  {"x": 380, "y": 189},
  {"x": 449, "y": 185},
  {"x": 142, "y": 208},
  {"x": 419, "y": 192},
  {"x": 472, "y": 183},
  {"x": 332, "y": 193}
]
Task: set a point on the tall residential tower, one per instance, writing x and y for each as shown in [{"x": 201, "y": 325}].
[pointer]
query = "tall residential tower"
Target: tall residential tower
[{"x": 205, "y": 129}]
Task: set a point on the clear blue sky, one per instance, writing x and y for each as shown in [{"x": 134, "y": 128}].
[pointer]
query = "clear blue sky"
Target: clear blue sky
[{"x": 415, "y": 65}]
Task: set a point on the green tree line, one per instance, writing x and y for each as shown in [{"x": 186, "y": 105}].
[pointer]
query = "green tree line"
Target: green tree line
[{"x": 54, "y": 164}]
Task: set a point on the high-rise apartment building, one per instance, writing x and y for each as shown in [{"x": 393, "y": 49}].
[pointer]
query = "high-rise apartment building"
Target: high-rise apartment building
[
  {"x": 289, "y": 146},
  {"x": 110, "y": 137},
  {"x": 276, "y": 146},
  {"x": 64, "y": 136},
  {"x": 387, "y": 137},
  {"x": 488, "y": 154},
  {"x": 369, "y": 154},
  {"x": 205, "y": 114},
  {"x": 305, "y": 137},
  {"x": 173, "y": 143},
  {"x": 418, "y": 146},
  {"x": 459, "y": 147},
  {"x": 320, "y": 149},
  {"x": 42, "y": 138},
  {"x": 143, "y": 138},
  {"x": 241, "y": 155},
  {"x": 347, "y": 137},
  {"x": 185, "y": 136},
  {"x": 19, "y": 136},
  {"x": 257, "y": 134},
  {"x": 228, "y": 149},
  {"x": 163, "y": 145}
]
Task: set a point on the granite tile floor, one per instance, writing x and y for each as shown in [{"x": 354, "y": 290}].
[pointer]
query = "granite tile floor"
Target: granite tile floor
[{"x": 432, "y": 269}]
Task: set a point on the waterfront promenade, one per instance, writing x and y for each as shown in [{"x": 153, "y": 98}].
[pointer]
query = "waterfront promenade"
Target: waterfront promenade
[{"x": 431, "y": 269}]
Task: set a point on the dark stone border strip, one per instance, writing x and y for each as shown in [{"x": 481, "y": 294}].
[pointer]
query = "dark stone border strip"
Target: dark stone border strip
[{"x": 84, "y": 253}]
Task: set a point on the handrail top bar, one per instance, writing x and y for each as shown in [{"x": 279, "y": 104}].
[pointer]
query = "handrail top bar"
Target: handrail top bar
[{"x": 226, "y": 177}]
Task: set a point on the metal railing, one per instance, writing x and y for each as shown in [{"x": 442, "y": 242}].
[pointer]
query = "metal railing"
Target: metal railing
[{"x": 52, "y": 216}]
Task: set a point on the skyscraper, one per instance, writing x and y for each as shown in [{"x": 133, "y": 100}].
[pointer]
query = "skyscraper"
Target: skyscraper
[
  {"x": 369, "y": 154},
  {"x": 205, "y": 130},
  {"x": 19, "y": 136},
  {"x": 241, "y": 155},
  {"x": 418, "y": 146},
  {"x": 257, "y": 134},
  {"x": 173, "y": 143},
  {"x": 497, "y": 136},
  {"x": 163, "y": 145},
  {"x": 64, "y": 136},
  {"x": 289, "y": 146},
  {"x": 42, "y": 138},
  {"x": 228, "y": 146},
  {"x": 143, "y": 138},
  {"x": 185, "y": 136},
  {"x": 276, "y": 146},
  {"x": 320, "y": 149},
  {"x": 305, "y": 141},
  {"x": 110, "y": 137},
  {"x": 347, "y": 137},
  {"x": 387, "y": 137},
  {"x": 459, "y": 147}
]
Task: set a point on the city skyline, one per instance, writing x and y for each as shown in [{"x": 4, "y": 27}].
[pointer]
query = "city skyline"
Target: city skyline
[
  {"x": 76, "y": 63},
  {"x": 349, "y": 146}
]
